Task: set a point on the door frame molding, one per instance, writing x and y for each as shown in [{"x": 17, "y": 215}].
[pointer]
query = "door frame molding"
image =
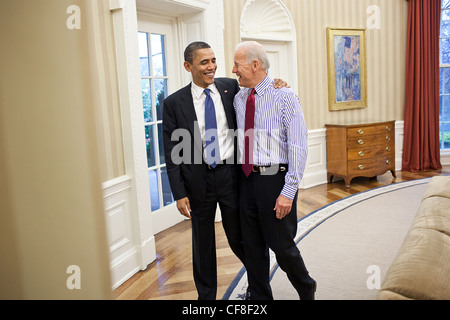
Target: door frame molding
[
  {"x": 127, "y": 52},
  {"x": 167, "y": 216}
]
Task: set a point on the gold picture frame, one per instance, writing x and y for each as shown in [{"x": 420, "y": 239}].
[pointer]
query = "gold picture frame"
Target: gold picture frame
[{"x": 347, "y": 71}]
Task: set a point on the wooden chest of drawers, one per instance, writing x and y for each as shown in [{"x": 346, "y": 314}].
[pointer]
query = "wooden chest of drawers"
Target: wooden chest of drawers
[{"x": 363, "y": 150}]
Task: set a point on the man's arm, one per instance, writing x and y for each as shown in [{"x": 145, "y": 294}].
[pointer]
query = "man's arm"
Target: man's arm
[
  {"x": 297, "y": 135},
  {"x": 173, "y": 170}
]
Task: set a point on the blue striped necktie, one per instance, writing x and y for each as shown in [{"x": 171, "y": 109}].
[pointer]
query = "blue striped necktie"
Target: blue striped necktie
[{"x": 212, "y": 137}]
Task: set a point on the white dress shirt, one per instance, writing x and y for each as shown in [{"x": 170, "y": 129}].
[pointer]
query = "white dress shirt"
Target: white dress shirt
[{"x": 226, "y": 146}]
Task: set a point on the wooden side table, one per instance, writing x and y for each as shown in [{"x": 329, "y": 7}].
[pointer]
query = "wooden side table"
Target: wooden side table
[{"x": 360, "y": 150}]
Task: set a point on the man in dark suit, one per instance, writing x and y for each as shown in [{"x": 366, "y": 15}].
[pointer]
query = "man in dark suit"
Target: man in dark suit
[{"x": 204, "y": 173}]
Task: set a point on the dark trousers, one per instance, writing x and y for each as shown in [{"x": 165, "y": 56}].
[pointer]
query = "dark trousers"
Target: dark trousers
[
  {"x": 221, "y": 189},
  {"x": 262, "y": 230}
]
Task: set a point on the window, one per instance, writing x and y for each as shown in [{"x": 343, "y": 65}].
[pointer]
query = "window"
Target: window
[
  {"x": 154, "y": 90},
  {"x": 444, "y": 91}
]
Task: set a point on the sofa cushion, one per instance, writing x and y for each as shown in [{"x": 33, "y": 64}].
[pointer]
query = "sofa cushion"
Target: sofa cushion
[
  {"x": 438, "y": 187},
  {"x": 421, "y": 270},
  {"x": 434, "y": 213}
]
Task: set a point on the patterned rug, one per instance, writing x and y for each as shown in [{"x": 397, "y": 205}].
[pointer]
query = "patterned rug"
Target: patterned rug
[{"x": 349, "y": 244}]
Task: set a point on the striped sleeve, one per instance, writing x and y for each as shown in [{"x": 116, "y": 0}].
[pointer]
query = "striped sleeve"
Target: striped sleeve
[{"x": 297, "y": 135}]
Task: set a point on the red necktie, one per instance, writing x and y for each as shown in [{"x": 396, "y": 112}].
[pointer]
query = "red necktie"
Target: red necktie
[{"x": 247, "y": 166}]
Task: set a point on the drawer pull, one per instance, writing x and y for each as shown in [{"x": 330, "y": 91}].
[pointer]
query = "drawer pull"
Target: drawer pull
[
  {"x": 388, "y": 149},
  {"x": 388, "y": 162},
  {"x": 388, "y": 128},
  {"x": 361, "y": 167},
  {"x": 388, "y": 138},
  {"x": 361, "y": 131},
  {"x": 361, "y": 142},
  {"x": 361, "y": 153}
]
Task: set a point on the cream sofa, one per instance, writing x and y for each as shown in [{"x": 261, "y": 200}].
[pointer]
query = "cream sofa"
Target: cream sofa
[{"x": 421, "y": 269}]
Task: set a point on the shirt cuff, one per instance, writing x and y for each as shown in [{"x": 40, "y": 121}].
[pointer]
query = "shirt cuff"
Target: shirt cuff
[{"x": 289, "y": 192}]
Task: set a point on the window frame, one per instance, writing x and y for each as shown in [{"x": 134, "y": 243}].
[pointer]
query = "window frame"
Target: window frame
[
  {"x": 155, "y": 123},
  {"x": 442, "y": 94}
]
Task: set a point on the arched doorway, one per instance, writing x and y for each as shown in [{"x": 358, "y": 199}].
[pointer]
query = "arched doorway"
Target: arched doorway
[{"x": 270, "y": 23}]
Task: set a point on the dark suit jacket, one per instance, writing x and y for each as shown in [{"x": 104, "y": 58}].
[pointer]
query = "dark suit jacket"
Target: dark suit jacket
[{"x": 188, "y": 179}]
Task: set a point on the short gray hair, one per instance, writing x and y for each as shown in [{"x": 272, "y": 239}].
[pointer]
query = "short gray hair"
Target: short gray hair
[{"x": 255, "y": 51}]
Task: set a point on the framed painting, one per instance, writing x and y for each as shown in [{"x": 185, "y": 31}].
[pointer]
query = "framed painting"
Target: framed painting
[{"x": 347, "y": 78}]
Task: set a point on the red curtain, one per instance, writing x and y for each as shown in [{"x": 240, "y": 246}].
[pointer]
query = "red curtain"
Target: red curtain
[{"x": 421, "y": 148}]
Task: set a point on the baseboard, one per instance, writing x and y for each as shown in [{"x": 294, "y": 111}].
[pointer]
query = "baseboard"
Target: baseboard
[{"x": 124, "y": 267}]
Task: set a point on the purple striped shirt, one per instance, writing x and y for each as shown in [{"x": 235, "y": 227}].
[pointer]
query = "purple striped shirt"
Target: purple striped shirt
[{"x": 280, "y": 135}]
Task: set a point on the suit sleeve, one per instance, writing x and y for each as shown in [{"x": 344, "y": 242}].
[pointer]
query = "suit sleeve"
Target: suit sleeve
[
  {"x": 174, "y": 171},
  {"x": 236, "y": 87}
]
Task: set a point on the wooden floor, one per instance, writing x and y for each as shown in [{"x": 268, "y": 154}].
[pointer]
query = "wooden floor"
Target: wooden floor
[{"x": 170, "y": 276}]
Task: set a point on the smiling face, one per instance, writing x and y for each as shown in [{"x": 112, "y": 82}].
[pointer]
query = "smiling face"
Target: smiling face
[
  {"x": 203, "y": 67},
  {"x": 243, "y": 69}
]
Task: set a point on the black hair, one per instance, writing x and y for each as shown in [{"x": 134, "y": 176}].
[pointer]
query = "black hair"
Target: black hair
[{"x": 189, "y": 53}]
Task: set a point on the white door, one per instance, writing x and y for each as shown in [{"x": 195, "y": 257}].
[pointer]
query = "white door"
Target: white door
[
  {"x": 158, "y": 57},
  {"x": 281, "y": 64}
]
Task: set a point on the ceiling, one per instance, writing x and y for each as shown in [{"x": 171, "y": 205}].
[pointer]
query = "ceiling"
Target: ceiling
[{"x": 165, "y": 7}]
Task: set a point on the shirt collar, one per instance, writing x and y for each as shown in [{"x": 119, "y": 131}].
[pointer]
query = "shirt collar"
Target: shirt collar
[
  {"x": 263, "y": 85},
  {"x": 198, "y": 91}
]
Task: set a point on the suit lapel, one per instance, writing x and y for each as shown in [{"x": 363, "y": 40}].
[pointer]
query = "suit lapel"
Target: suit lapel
[{"x": 228, "y": 106}]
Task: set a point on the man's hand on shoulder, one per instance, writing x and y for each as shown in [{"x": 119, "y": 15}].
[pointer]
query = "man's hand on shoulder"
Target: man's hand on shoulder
[{"x": 279, "y": 83}]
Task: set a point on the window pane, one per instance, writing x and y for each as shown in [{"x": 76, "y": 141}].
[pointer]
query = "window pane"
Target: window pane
[
  {"x": 445, "y": 51},
  {"x": 446, "y": 109},
  {"x": 162, "y": 157},
  {"x": 150, "y": 142},
  {"x": 147, "y": 100},
  {"x": 445, "y": 80},
  {"x": 445, "y": 23},
  {"x": 444, "y": 134},
  {"x": 167, "y": 192},
  {"x": 160, "y": 95},
  {"x": 446, "y": 113},
  {"x": 143, "y": 54},
  {"x": 154, "y": 189},
  {"x": 158, "y": 58},
  {"x": 445, "y": 122}
]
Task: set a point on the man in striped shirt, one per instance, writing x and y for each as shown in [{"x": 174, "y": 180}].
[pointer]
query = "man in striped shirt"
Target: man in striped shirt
[{"x": 272, "y": 137}]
